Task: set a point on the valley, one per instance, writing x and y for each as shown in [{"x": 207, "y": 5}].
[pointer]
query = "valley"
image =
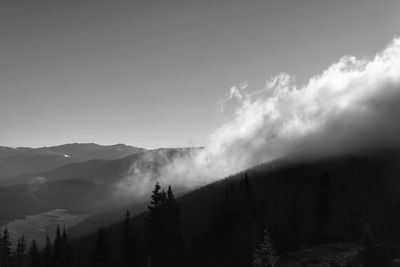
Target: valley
[{"x": 38, "y": 227}]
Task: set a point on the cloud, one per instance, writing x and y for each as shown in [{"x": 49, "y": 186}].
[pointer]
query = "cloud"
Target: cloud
[
  {"x": 147, "y": 168},
  {"x": 235, "y": 92},
  {"x": 353, "y": 105},
  {"x": 34, "y": 184}
]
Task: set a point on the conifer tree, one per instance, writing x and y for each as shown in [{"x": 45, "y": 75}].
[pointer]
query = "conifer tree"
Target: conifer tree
[
  {"x": 173, "y": 237},
  {"x": 64, "y": 237},
  {"x": 20, "y": 252},
  {"x": 265, "y": 255},
  {"x": 128, "y": 241},
  {"x": 171, "y": 202},
  {"x": 245, "y": 185},
  {"x": 228, "y": 215},
  {"x": 65, "y": 247},
  {"x": 101, "y": 251},
  {"x": 247, "y": 204},
  {"x": 173, "y": 224},
  {"x": 153, "y": 221},
  {"x": 47, "y": 256},
  {"x": 57, "y": 248},
  {"x": 163, "y": 225},
  {"x": 34, "y": 256},
  {"x": 5, "y": 248}
]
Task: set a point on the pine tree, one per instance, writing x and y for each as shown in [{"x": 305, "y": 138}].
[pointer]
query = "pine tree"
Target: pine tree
[
  {"x": 101, "y": 251},
  {"x": 265, "y": 255},
  {"x": 5, "y": 248},
  {"x": 34, "y": 256},
  {"x": 171, "y": 202},
  {"x": 128, "y": 241},
  {"x": 65, "y": 247},
  {"x": 173, "y": 237},
  {"x": 245, "y": 185},
  {"x": 57, "y": 248},
  {"x": 47, "y": 256},
  {"x": 20, "y": 252},
  {"x": 127, "y": 220},
  {"x": 163, "y": 232},
  {"x": 153, "y": 221},
  {"x": 247, "y": 202},
  {"x": 229, "y": 211},
  {"x": 64, "y": 237},
  {"x": 156, "y": 198},
  {"x": 173, "y": 223}
]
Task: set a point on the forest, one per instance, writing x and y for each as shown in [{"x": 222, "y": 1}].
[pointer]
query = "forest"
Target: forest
[{"x": 260, "y": 217}]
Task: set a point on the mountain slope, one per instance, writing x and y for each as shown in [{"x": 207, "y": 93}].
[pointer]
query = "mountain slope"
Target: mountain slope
[
  {"x": 87, "y": 187},
  {"x": 17, "y": 161},
  {"x": 289, "y": 197}
]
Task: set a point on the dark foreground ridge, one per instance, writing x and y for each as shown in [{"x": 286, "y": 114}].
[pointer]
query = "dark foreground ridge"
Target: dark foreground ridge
[{"x": 340, "y": 211}]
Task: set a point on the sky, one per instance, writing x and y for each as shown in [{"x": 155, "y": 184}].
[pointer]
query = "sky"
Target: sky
[{"x": 153, "y": 73}]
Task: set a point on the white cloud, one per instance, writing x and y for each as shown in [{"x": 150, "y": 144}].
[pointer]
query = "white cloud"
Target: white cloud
[
  {"x": 35, "y": 183},
  {"x": 352, "y": 105}
]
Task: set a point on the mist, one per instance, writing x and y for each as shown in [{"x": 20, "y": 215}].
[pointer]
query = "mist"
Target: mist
[{"x": 352, "y": 105}]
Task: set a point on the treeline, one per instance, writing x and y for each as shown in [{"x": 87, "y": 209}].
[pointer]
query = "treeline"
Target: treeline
[
  {"x": 57, "y": 253},
  {"x": 161, "y": 241},
  {"x": 235, "y": 222},
  {"x": 234, "y": 234}
]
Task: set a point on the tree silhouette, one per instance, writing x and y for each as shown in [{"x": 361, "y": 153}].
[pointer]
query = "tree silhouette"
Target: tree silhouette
[
  {"x": 173, "y": 239},
  {"x": 65, "y": 247},
  {"x": 128, "y": 241},
  {"x": 5, "y": 245},
  {"x": 229, "y": 212},
  {"x": 163, "y": 227},
  {"x": 47, "y": 253},
  {"x": 57, "y": 248},
  {"x": 34, "y": 256},
  {"x": 245, "y": 186},
  {"x": 101, "y": 253},
  {"x": 153, "y": 220},
  {"x": 173, "y": 223},
  {"x": 20, "y": 252},
  {"x": 265, "y": 255}
]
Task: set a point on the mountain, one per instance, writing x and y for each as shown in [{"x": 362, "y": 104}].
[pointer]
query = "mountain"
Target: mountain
[
  {"x": 84, "y": 188},
  {"x": 103, "y": 171},
  {"x": 17, "y": 161},
  {"x": 10, "y": 151},
  {"x": 303, "y": 203}
]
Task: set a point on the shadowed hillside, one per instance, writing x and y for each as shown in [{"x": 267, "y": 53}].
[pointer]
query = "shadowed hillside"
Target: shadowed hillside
[
  {"x": 302, "y": 204},
  {"x": 85, "y": 188}
]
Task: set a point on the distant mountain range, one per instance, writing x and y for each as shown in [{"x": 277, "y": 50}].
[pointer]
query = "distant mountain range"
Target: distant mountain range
[
  {"x": 85, "y": 178},
  {"x": 22, "y": 160}
]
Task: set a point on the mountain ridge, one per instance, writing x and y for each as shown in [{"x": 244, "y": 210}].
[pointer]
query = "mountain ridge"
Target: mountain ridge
[{"x": 18, "y": 161}]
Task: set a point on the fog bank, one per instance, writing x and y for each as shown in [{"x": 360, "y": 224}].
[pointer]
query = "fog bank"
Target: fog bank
[{"x": 354, "y": 104}]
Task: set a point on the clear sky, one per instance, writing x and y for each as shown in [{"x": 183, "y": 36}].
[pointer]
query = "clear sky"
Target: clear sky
[{"x": 151, "y": 73}]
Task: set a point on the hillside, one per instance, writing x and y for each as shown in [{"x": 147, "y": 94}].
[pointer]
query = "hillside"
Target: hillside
[
  {"x": 17, "y": 161},
  {"x": 86, "y": 188},
  {"x": 303, "y": 204}
]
